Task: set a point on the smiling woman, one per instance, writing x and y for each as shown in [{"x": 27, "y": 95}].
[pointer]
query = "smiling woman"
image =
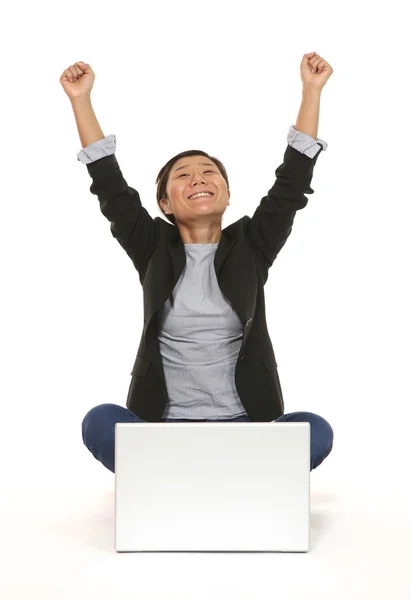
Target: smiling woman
[
  {"x": 205, "y": 352},
  {"x": 187, "y": 177}
]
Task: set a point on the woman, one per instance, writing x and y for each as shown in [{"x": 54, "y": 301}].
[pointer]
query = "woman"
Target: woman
[{"x": 205, "y": 353}]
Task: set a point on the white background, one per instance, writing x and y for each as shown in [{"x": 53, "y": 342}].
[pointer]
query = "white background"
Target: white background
[{"x": 225, "y": 78}]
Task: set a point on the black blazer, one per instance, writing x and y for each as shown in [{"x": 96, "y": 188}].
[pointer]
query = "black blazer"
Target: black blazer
[{"x": 246, "y": 251}]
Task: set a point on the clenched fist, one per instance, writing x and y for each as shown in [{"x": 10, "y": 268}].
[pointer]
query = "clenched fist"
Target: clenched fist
[
  {"x": 315, "y": 71},
  {"x": 77, "y": 80}
]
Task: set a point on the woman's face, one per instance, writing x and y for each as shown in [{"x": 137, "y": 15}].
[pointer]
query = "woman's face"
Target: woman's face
[{"x": 192, "y": 175}]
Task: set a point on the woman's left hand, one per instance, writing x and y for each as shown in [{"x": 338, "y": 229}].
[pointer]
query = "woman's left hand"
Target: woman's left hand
[{"x": 322, "y": 71}]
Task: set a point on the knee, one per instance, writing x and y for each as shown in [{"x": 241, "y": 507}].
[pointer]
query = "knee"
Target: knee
[
  {"x": 328, "y": 432},
  {"x": 326, "y": 429},
  {"x": 93, "y": 417}
]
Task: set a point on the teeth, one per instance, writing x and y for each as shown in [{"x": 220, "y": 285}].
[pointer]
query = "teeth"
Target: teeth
[{"x": 200, "y": 194}]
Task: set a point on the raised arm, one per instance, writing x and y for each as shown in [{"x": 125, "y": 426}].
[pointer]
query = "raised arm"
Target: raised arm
[
  {"x": 130, "y": 223},
  {"x": 77, "y": 81},
  {"x": 272, "y": 222}
]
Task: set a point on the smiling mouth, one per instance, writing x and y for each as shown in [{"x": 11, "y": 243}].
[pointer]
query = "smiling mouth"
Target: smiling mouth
[{"x": 208, "y": 195}]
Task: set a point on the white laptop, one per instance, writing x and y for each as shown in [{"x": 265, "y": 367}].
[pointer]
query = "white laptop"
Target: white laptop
[{"x": 212, "y": 486}]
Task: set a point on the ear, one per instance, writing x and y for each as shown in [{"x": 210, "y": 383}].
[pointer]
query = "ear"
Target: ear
[{"x": 163, "y": 201}]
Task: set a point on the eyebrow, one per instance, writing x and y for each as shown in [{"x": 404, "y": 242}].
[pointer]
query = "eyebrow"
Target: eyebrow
[{"x": 185, "y": 166}]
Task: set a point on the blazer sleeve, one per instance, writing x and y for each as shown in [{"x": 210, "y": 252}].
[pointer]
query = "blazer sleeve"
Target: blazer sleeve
[
  {"x": 130, "y": 223},
  {"x": 268, "y": 229}
]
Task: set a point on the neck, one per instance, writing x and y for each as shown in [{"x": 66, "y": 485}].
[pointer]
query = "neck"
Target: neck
[{"x": 200, "y": 235}]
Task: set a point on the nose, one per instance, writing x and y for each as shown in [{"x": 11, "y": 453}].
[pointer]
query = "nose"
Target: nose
[{"x": 199, "y": 178}]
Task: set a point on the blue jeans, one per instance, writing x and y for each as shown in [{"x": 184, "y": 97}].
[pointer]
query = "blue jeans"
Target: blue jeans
[{"x": 98, "y": 431}]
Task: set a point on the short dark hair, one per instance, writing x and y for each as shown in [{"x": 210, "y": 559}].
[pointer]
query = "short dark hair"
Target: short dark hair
[{"x": 162, "y": 177}]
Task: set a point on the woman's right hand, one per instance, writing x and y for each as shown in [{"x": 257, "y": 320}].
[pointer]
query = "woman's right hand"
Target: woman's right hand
[{"x": 77, "y": 80}]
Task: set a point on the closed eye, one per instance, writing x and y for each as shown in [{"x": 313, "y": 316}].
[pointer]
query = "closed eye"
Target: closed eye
[{"x": 204, "y": 172}]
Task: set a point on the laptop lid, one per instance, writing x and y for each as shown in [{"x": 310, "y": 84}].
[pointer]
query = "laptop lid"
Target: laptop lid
[{"x": 212, "y": 486}]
